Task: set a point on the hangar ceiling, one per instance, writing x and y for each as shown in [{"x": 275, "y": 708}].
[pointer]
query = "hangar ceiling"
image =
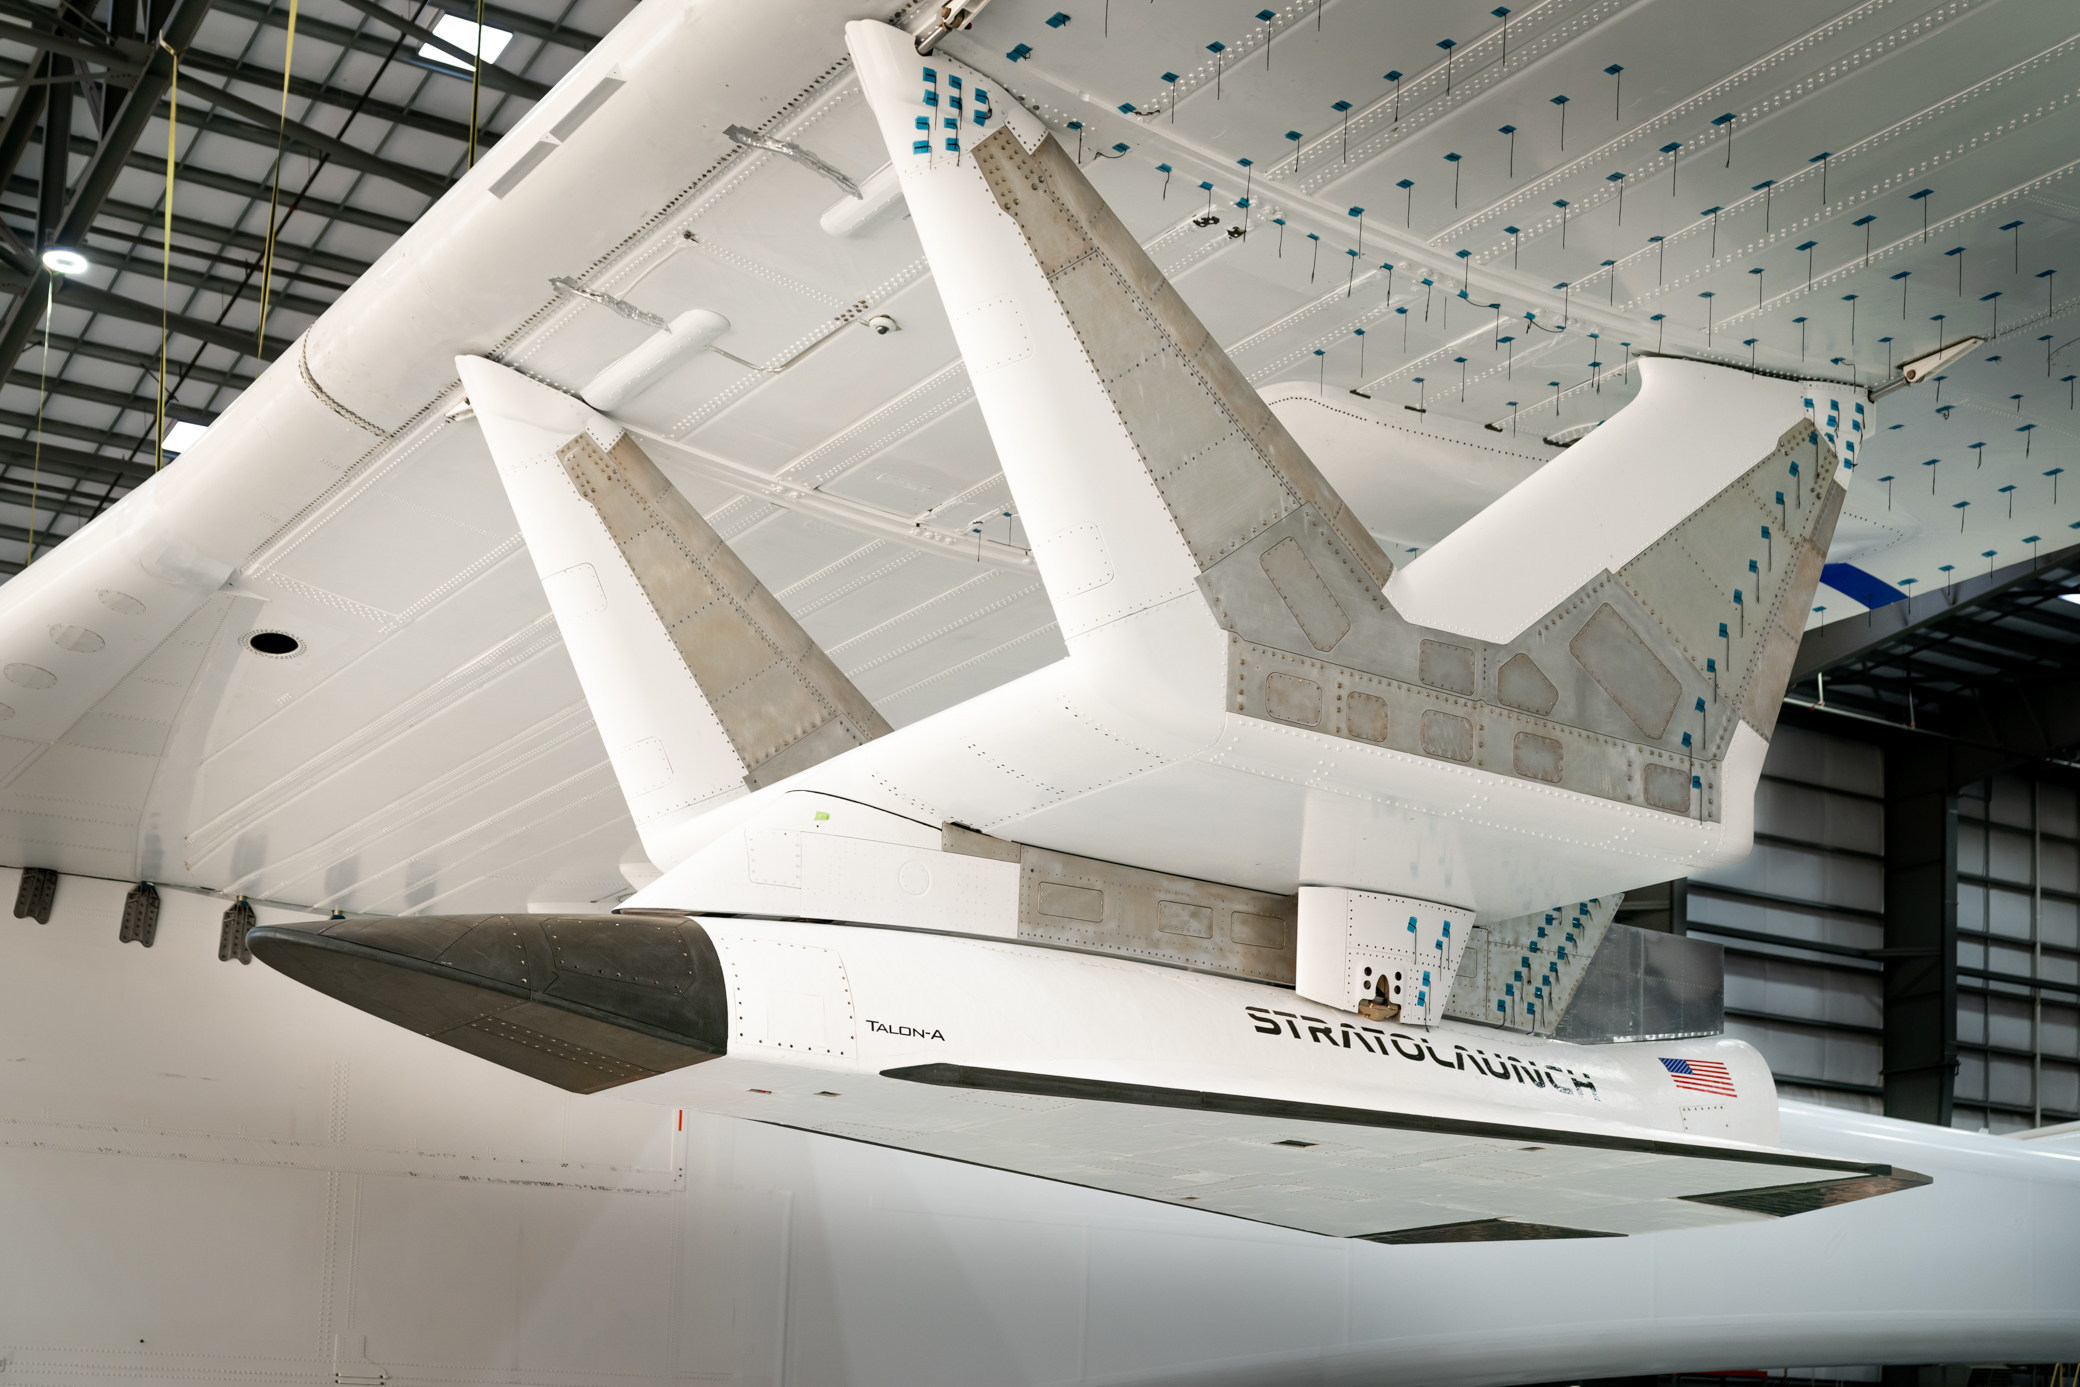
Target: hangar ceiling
[
  {"x": 1480, "y": 212},
  {"x": 376, "y": 129}
]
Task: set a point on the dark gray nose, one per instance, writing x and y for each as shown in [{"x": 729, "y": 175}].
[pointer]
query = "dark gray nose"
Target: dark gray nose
[{"x": 584, "y": 1002}]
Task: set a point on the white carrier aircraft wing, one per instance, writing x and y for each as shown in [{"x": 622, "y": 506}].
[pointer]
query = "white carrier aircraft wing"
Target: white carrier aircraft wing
[
  {"x": 1346, "y": 1172},
  {"x": 411, "y": 735}
]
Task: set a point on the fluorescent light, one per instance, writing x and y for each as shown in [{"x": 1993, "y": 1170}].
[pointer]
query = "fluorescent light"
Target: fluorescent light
[
  {"x": 60, "y": 261},
  {"x": 182, "y": 436},
  {"x": 463, "y": 34},
  {"x": 2071, "y": 596}
]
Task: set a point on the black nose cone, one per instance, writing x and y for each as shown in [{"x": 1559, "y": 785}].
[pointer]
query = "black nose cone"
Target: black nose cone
[{"x": 584, "y": 1002}]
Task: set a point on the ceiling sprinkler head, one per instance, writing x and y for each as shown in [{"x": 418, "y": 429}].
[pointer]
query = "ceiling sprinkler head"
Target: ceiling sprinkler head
[
  {"x": 1207, "y": 218},
  {"x": 883, "y": 324}
]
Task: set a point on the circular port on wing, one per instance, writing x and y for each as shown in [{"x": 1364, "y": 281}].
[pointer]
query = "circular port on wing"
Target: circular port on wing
[{"x": 279, "y": 644}]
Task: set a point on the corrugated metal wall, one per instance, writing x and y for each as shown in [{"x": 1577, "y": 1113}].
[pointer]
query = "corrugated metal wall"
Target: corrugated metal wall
[
  {"x": 1802, "y": 920},
  {"x": 2018, "y": 920},
  {"x": 1800, "y": 917}
]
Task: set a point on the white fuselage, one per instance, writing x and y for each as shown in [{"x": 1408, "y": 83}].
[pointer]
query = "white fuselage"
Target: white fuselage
[
  {"x": 846, "y": 1000},
  {"x": 1982, "y": 1262},
  {"x": 241, "y": 1172}
]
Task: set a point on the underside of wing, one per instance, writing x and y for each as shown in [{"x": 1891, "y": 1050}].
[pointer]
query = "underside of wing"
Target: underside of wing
[{"x": 1340, "y": 1171}]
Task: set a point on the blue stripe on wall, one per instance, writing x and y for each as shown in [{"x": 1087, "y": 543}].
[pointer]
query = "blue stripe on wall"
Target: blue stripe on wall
[{"x": 1852, "y": 582}]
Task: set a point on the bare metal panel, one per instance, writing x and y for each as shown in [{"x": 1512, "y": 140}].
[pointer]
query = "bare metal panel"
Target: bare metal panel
[
  {"x": 1668, "y": 787},
  {"x": 1109, "y": 908},
  {"x": 1153, "y": 915},
  {"x": 1522, "y": 973},
  {"x": 1258, "y": 931},
  {"x": 1290, "y": 698},
  {"x": 1645, "y": 985},
  {"x": 1058, "y": 902},
  {"x": 1522, "y": 685},
  {"x": 1696, "y": 579},
  {"x": 1447, "y": 735},
  {"x": 1183, "y": 917},
  {"x": 1365, "y": 717},
  {"x": 1305, "y": 595},
  {"x": 1620, "y": 662},
  {"x": 1537, "y": 757},
  {"x": 1658, "y": 635},
  {"x": 1442, "y": 665},
  {"x": 780, "y": 700},
  {"x": 1225, "y": 466}
]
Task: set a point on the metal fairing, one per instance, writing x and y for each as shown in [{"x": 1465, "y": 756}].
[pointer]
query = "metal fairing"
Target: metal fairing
[
  {"x": 816, "y": 856},
  {"x": 1554, "y": 946},
  {"x": 1106, "y": 907},
  {"x": 1583, "y": 703}
]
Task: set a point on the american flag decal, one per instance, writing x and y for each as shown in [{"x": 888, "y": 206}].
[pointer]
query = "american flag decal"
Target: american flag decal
[{"x": 1702, "y": 1076}]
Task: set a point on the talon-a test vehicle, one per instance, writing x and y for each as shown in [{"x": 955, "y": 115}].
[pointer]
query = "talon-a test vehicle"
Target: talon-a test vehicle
[{"x": 1284, "y": 897}]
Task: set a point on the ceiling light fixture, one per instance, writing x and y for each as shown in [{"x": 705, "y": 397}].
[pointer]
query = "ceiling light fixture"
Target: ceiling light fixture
[{"x": 61, "y": 261}]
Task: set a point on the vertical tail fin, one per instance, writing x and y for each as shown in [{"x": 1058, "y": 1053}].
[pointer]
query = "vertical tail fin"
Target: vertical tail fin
[
  {"x": 701, "y": 683},
  {"x": 1140, "y": 455}
]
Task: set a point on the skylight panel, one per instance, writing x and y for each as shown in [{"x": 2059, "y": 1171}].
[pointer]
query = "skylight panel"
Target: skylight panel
[
  {"x": 463, "y": 34},
  {"x": 183, "y": 435}
]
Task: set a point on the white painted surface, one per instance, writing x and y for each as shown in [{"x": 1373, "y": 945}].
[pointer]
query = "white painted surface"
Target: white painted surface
[
  {"x": 1411, "y": 478},
  {"x": 430, "y": 745},
  {"x": 671, "y": 346},
  {"x": 431, "y": 748},
  {"x": 1347, "y": 939},
  {"x": 881, "y": 193},
  {"x": 670, "y": 753},
  {"x": 818, "y": 857},
  {"x": 216, "y": 1161},
  {"x": 1104, "y": 539},
  {"x": 1031, "y": 1009},
  {"x": 1692, "y": 430}
]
